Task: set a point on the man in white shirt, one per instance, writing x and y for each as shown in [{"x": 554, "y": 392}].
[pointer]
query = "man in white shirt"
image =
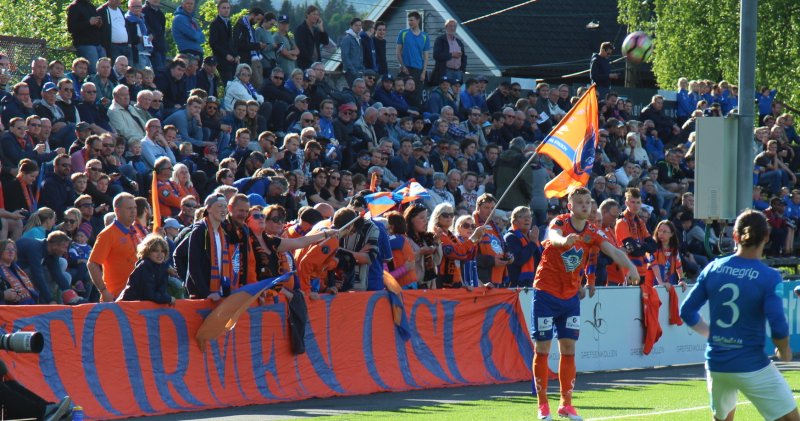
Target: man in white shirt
[{"x": 115, "y": 33}]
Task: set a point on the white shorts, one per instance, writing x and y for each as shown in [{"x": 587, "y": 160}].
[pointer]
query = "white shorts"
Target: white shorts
[{"x": 765, "y": 388}]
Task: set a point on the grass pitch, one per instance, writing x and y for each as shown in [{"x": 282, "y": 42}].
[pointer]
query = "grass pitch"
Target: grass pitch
[{"x": 674, "y": 401}]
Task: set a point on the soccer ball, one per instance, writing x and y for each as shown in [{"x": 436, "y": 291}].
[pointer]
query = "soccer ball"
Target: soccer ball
[{"x": 637, "y": 47}]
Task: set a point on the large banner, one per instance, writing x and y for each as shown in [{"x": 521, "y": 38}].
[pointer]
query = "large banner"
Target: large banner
[
  {"x": 611, "y": 332},
  {"x": 131, "y": 359}
]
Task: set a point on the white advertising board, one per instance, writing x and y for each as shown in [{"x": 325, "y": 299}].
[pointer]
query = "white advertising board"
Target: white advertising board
[{"x": 611, "y": 335}]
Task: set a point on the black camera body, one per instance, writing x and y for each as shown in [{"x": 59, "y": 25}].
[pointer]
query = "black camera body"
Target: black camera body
[{"x": 22, "y": 342}]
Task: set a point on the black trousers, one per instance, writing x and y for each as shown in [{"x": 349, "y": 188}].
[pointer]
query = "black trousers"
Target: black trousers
[{"x": 18, "y": 402}]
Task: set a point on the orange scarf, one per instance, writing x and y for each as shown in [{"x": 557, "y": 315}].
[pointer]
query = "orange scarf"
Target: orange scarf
[
  {"x": 18, "y": 280},
  {"x": 220, "y": 276},
  {"x": 30, "y": 201}
]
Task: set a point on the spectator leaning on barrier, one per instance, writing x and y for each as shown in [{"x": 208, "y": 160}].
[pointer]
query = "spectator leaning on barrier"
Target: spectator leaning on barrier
[{"x": 114, "y": 254}]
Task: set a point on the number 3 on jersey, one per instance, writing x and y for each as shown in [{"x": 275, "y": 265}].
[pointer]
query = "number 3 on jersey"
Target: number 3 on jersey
[{"x": 730, "y": 303}]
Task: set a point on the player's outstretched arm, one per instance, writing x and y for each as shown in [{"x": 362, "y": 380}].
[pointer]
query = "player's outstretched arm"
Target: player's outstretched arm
[{"x": 621, "y": 259}]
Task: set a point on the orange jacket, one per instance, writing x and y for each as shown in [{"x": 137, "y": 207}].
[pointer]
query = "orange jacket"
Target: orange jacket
[
  {"x": 453, "y": 251},
  {"x": 315, "y": 261},
  {"x": 169, "y": 198},
  {"x": 491, "y": 245},
  {"x": 631, "y": 227}
]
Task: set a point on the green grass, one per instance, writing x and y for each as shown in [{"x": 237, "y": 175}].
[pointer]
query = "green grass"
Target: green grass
[{"x": 634, "y": 402}]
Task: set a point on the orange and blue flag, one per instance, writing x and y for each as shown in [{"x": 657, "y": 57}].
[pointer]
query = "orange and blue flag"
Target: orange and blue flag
[
  {"x": 227, "y": 313},
  {"x": 571, "y": 145},
  {"x": 411, "y": 191},
  {"x": 398, "y": 307},
  {"x": 379, "y": 203}
]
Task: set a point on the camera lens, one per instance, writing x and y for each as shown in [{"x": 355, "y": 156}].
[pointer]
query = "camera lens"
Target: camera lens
[{"x": 23, "y": 342}]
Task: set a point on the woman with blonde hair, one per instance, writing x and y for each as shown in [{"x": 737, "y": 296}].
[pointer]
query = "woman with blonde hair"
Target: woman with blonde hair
[
  {"x": 453, "y": 249},
  {"x": 182, "y": 178},
  {"x": 464, "y": 228},
  {"x": 635, "y": 151},
  {"x": 39, "y": 224}
]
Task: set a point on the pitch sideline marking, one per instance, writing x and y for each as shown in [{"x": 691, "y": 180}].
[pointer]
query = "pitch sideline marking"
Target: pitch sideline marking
[{"x": 671, "y": 411}]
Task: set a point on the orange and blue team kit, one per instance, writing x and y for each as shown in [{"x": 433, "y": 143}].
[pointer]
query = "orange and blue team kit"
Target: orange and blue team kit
[
  {"x": 632, "y": 234},
  {"x": 559, "y": 272},
  {"x": 453, "y": 251}
]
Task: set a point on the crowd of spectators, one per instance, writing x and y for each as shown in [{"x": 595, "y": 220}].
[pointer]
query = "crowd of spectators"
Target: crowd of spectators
[{"x": 261, "y": 164}]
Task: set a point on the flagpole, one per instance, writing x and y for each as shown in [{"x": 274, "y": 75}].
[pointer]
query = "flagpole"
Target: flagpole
[{"x": 527, "y": 165}]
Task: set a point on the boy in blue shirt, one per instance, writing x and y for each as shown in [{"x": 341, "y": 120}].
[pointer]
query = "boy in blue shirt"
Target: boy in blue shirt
[{"x": 740, "y": 291}]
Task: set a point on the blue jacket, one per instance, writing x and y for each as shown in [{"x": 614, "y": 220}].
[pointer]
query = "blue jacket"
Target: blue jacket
[
  {"x": 188, "y": 129},
  {"x": 522, "y": 254},
  {"x": 437, "y": 100},
  {"x": 352, "y": 53},
  {"x": 32, "y": 256},
  {"x": 58, "y": 193},
  {"x": 148, "y": 282},
  {"x": 186, "y": 31},
  {"x": 765, "y": 102},
  {"x": 684, "y": 103}
]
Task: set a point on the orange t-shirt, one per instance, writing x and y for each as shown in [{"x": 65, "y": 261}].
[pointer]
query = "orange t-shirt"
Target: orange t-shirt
[
  {"x": 559, "y": 272},
  {"x": 115, "y": 251}
]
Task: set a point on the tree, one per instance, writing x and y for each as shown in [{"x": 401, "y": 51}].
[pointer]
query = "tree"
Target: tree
[{"x": 700, "y": 40}]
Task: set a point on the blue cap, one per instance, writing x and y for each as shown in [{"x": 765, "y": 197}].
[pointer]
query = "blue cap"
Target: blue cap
[
  {"x": 256, "y": 200},
  {"x": 49, "y": 86},
  {"x": 283, "y": 19}
]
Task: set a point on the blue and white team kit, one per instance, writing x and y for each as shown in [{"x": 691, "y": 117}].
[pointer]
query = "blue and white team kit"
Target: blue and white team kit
[{"x": 742, "y": 296}]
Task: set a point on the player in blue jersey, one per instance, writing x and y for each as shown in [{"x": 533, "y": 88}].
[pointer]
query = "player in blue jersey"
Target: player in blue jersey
[{"x": 740, "y": 291}]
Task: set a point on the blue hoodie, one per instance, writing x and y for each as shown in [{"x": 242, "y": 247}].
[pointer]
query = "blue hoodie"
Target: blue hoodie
[{"x": 186, "y": 31}]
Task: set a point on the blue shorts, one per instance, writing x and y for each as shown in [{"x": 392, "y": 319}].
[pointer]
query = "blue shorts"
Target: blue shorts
[{"x": 549, "y": 311}]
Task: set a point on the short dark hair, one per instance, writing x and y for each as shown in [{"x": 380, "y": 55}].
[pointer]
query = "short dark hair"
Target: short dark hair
[
  {"x": 415, "y": 15},
  {"x": 257, "y": 11}
]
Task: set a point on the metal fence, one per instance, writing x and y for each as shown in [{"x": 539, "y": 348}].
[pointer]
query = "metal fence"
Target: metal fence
[{"x": 21, "y": 51}]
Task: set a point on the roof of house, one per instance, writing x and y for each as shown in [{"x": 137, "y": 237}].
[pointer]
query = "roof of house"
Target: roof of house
[{"x": 545, "y": 38}]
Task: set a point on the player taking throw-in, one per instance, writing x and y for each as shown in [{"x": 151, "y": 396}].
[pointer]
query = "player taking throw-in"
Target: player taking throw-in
[{"x": 556, "y": 303}]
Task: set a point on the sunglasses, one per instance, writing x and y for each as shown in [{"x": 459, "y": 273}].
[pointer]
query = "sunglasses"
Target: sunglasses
[
  {"x": 86, "y": 205},
  {"x": 308, "y": 120},
  {"x": 446, "y": 215},
  {"x": 70, "y": 221},
  {"x": 277, "y": 78},
  {"x": 190, "y": 205},
  {"x": 468, "y": 226},
  {"x": 258, "y": 216},
  {"x": 278, "y": 219},
  {"x": 156, "y": 100}
]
